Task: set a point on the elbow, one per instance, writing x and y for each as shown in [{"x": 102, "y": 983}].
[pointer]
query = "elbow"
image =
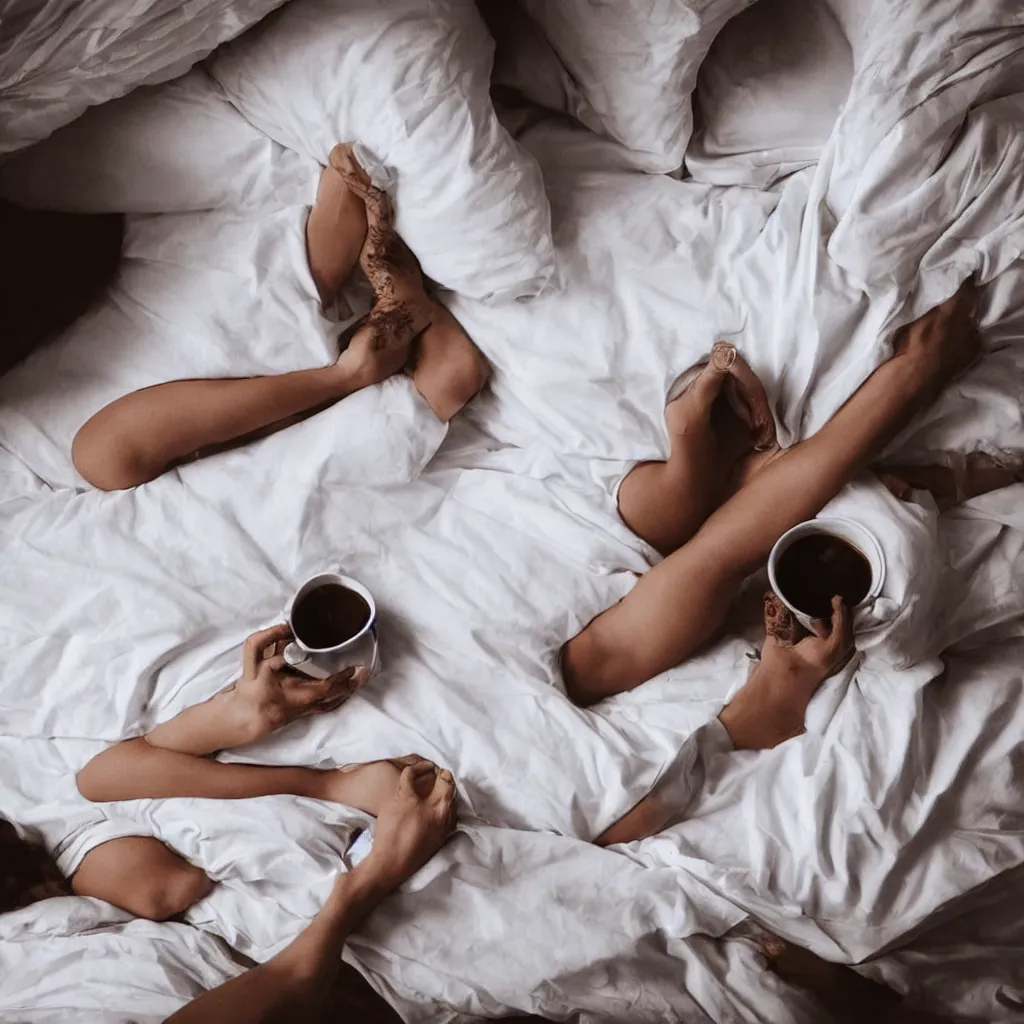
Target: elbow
[
  {"x": 89, "y": 782},
  {"x": 109, "y": 775},
  {"x": 107, "y": 458},
  {"x": 577, "y": 674}
]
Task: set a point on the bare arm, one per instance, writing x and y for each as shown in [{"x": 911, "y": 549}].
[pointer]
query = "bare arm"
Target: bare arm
[
  {"x": 170, "y": 760},
  {"x": 293, "y": 986},
  {"x": 139, "y": 436}
]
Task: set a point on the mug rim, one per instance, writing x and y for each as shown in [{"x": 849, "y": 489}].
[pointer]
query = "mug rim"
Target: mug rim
[
  {"x": 349, "y": 583},
  {"x": 875, "y": 556}
]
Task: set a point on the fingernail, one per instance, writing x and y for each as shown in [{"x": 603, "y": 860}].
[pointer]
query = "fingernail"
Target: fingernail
[{"x": 723, "y": 355}]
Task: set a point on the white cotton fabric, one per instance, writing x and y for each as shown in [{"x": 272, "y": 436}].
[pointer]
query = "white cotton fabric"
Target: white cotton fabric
[
  {"x": 896, "y": 813},
  {"x": 636, "y": 62},
  {"x": 525, "y": 61},
  {"x": 173, "y": 148},
  {"x": 59, "y": 57},
  {"x": 410, "y": 81},
  {"x": 769, "y": 93},
  {"x": 78, "y": 959}
]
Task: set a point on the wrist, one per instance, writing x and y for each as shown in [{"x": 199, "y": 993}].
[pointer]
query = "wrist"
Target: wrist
[
  {"x": 360, "y": 890},
  {"x": 377, "y": 875},
  {"x": 345, "y": 379}
]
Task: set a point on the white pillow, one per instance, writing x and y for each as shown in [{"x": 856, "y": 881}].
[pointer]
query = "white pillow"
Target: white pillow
[
  {"x": 174, "y": 148},
  {"x": 636, "y": 62},
  {"x": 526, "y": 62},
  {"x": 58, "y": 57},
  {"x": 769, "y": 93},
  {"x": 410, "y": 79}
]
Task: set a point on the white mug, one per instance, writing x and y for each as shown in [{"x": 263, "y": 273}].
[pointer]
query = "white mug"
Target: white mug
[
  {"x": 853, "y": 533},
  {"x": 321, "y": 662}
]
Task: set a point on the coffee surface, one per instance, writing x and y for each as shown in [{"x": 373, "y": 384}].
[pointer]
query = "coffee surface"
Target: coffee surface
[
  {"x": 818, "y": 566},
  {"x": 329, "y": 615}
]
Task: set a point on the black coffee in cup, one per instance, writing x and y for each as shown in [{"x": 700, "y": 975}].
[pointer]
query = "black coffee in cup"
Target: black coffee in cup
[
  {"x": 329, "y": 615},
  {"x": 816, "y": 567}
]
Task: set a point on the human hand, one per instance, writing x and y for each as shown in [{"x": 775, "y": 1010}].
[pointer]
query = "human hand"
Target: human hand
[
  {"x": 818, "y": 655},
  {"x": 378, "y": 349},
  {"x": 413, "y": 824},
  {"x": 269, "y": 694}
]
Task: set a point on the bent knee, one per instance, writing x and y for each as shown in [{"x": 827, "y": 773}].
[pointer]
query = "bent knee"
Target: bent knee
[{"x": 109, "y": 461}]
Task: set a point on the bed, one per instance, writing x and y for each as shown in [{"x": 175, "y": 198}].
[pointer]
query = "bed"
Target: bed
[{"x": 592, "y": 256}]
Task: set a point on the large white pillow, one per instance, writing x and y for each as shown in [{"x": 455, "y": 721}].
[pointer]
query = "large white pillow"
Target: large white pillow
[
  {"x": 769, "y": 93},
  {"x": 410, "y": 79},
  {"x": 174, "y": 148},
  {"x": 58, "y": 57},
  {"x": 636, "y": 62}
]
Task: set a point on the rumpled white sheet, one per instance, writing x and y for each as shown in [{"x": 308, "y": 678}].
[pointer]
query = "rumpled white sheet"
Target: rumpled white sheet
[
  {"x": 899, "y": 802},
  {"x": 59, "y": 57}
]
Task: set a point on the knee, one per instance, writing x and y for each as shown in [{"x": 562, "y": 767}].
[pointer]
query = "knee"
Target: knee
[
  {"x": 168, "y": 892},
  {"x": 106, "y": 458}
]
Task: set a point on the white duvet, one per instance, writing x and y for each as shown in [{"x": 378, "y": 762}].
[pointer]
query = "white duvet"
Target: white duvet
[{"x": 881, "y": 822}]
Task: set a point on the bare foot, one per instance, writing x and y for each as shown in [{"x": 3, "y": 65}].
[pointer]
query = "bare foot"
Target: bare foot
[
  {"x": 446, "y": 367},
  {"x": 335, "y": 233}
]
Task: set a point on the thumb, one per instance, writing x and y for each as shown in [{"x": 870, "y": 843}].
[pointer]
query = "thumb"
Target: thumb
[{"x": 821, "y": 628}]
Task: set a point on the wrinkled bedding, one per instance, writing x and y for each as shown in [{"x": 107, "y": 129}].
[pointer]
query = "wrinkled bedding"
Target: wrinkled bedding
[
  {"x": 895, "y": 821},
  {"x": 59, "y": 57}
]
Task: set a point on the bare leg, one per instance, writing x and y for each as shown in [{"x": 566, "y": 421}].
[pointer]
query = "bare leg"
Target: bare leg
[
  {"x": 665, "y": 503},
  {"x": 678, "y": 605}
]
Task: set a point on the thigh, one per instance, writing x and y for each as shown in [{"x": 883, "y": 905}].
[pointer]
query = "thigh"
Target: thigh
[{"x": 141, "y": 875}]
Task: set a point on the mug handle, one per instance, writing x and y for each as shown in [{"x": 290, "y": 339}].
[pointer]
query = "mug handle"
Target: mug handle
[
  {"x": 374, "y": 659},
  {"x": 294, "y": 656}
]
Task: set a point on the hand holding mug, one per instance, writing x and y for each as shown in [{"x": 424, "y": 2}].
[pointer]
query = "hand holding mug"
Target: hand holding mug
[{"x": 271, "y": 694}]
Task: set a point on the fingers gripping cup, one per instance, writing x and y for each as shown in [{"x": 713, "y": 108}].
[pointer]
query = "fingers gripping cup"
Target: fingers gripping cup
[
  {"x": 820, "y": 558},
  {"x": 333, "y": 619}
]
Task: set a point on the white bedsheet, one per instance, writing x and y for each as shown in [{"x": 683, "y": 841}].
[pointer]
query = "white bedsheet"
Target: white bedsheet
[{"x": 902, "y": 798}]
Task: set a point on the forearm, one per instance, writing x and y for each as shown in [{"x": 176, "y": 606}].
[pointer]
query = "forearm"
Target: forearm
[
  {"x": 135, "y": 770},
  {"x": 167, "y": 422},
  {"x": 293, "y": 985}
]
